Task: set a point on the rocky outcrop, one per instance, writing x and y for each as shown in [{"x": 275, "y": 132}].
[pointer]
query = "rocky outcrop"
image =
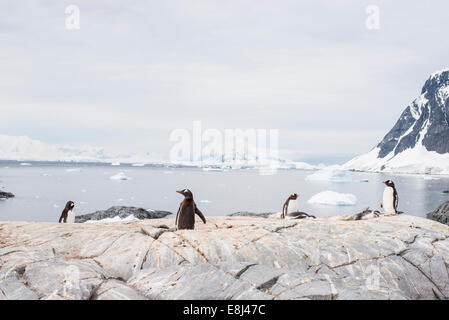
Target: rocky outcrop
[
  {"x": 399, "y": 257},
  {"x": 441, "y": 214},
  {"x": 6, "y": 195},
  {"x": 122, "y": 212}
]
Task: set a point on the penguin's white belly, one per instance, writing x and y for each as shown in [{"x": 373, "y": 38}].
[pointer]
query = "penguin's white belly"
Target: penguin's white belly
[
  {"x": 70, "y": 217},
  {"x": 388, "y": 200},
  {"x": 292, "y": 206}
]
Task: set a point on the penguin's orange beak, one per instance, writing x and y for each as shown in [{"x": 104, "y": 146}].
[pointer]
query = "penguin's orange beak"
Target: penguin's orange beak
[
  {"x": 179, "y": 191},
  {"x": 384, "y": 182}
]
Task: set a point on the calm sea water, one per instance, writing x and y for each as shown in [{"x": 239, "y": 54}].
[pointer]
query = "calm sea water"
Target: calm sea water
[{"x": 43, "y": 189}]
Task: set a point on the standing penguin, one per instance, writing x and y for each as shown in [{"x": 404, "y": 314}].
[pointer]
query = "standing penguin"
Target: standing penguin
[
  {"x": 290, "y": 205},
  {"x": 390, "y": 198},
  {"x": 185, "y": 218},
  {"x": 67, "y": 214}
]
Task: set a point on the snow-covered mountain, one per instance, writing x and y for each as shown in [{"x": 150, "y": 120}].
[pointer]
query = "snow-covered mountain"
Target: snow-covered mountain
[
  {"x": 419, "y": 141},
  {"x": 22, "y": 148}
]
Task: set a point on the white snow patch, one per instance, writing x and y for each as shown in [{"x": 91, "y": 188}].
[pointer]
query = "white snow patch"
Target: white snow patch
[
  {"x": 333, "y": 198},
  {"x": 138, "y": 164},
  {"x": 119, "y": 176},
  {"x": 417, "y": 161}
]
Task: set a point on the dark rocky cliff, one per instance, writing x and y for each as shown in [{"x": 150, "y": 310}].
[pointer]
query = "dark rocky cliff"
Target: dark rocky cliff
[{"x": 426, "y": 120}]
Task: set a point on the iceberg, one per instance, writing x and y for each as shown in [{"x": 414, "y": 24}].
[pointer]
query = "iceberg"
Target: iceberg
[
  {"x": 73, "y": 170},
  {"x": 138, "y": 164},
  {"x": 333, "y": 198},
  {"x": 119, "y": 176},
  {"x": 212, "y": 169},
  {"x": 332, "y": 173}
]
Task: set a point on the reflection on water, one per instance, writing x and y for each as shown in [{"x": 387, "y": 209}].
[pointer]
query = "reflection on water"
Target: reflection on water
[{"x": 42, "y": 190}]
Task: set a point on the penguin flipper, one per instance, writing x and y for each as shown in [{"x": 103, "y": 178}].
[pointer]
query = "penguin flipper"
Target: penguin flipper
[
  {"x": 63, "y": 217},
  {"x": 285, "y": 209},
  {"x": 200, "y": 214},
  {"x": 177, "y": 215},
  {"x": 396, "y": 201}
]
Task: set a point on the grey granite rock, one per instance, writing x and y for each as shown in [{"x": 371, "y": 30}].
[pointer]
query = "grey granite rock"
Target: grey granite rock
[
  {"x": 122, "y": 212},
  {"x": 398, "y": 257},
  {"x": 250, "y": 214},
  {"x": 441, "y": 214},
  {"x": 6, "y": 195}
]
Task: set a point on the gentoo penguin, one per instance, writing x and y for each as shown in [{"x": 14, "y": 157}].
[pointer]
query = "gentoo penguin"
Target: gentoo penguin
[
  {"x": 390, "y": 198},
  {"x": 67, "y": 214},
  {"x": 185, "y": 218},
  {"x": 291, "y": 211},
  {"x": 290, "y": 205}
]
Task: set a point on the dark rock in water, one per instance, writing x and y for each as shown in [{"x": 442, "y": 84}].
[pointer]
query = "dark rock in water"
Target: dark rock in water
[
  {"x": 6, "y": 195},
  {"x": 441, "y": 214},
  {"x": 250, "y": 214},
  {"x": 122, "y": 212},
  {"x": 446, "y": 191}
]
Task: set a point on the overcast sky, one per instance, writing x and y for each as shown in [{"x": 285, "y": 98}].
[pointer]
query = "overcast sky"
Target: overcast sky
[{"x": 136, "y": 70}]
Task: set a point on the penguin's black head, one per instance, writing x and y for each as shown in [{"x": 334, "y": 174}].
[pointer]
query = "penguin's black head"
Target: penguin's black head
[
  {"x": 186, "y": 192},
  {"x": 294, "y": 196},
  {"x": 70, "y": 205},
  {"x": 389, "y": 183}
]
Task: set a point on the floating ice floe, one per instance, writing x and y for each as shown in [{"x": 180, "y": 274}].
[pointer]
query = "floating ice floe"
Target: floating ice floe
[
  {"x": 331, "y": 173},
  {"x": 25, "y": 164},
  {"x": 119, "y": 176},
  {"x": 114, "y": 219},
  {"x": 138, "y": 164},
  {"x": 212, "y": 169},
  {"x": 73, "y": 170},
  {"x": 205, "y": 201},
  {"x": 333, "y": 198},
  {"x": 430, "y": 178},
  {"x": 115, "y": 163}
]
